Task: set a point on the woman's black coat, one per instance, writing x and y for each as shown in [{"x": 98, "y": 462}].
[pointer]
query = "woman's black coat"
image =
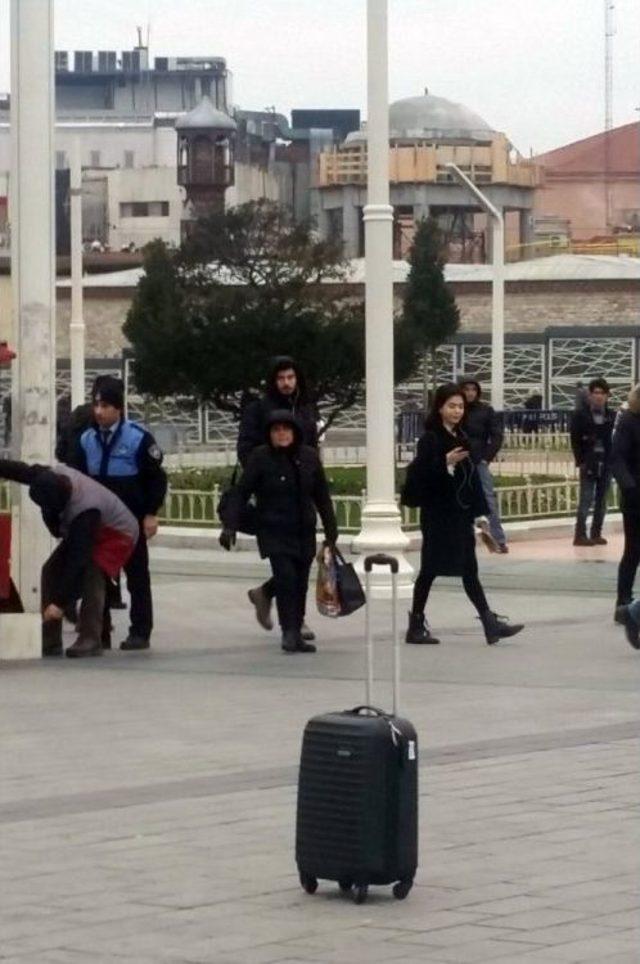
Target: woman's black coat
[
  {"x": 289, "y": 485},
  {"x": 448, "y": 503}
]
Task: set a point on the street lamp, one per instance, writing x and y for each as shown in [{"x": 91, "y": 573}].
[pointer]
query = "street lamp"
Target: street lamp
[
  {"x": 381, "y": 521},
  {"x": 77, "y": 326},
  {"x": 497, "y": 287},
  {"x": 33, "y": 298}
]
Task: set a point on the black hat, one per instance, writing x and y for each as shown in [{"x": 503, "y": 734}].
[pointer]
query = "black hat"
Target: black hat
[{"x": 109, "y": 390}]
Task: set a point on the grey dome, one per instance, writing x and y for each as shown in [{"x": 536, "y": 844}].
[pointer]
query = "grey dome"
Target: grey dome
[
  {"x": 431, "y": 118},
  {"x": 206, "y": 116}
]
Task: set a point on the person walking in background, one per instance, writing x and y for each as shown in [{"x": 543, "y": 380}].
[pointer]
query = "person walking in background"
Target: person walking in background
[
  {"x": 591, "y": 432},
  {"x": 286, "y": 390},
  {"x": 484, "y": 429},
  {"x": 444, "y": 481},
  {"x": 288, "y": 481},
  {"x": 625, "y": 465},
  {"x": 97, "y": 536},
  {"x": 124, "y": 457}
]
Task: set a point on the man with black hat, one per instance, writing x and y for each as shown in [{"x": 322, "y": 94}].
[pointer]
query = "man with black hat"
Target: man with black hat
[
  {"x": 97, "y": 536},
  {"x": 124, "y": 457},
  {"x": 285, "y": 390}
]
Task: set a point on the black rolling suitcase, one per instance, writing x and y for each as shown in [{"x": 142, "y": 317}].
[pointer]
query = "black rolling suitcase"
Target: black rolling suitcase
[{"x": 357, "y": 820}]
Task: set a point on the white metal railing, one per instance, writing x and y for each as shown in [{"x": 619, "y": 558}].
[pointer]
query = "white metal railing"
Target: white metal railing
[
  {"x": 537, "y": 441},
  {"x": 516, "y": 502}
]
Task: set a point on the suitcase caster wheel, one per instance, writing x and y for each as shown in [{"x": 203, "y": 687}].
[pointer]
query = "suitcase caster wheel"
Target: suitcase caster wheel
[
  {"x": 309, "y": 884},
  {"x": 360, "y": 892},
  {"x": 345, "y": 885},
  {"x": 402, "y": 888}
]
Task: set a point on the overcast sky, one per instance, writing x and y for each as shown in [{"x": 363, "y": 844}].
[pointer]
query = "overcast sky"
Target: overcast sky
[{"x": 532, "y": 68}]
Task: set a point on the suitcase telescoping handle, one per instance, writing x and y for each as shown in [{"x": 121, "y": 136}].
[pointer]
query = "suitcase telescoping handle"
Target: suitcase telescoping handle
[{"x": 381, "y": 559}]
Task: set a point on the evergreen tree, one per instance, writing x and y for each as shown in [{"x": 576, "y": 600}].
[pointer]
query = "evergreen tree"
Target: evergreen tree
[
  {"x": 430, "y": 309},
  {"x": 249, "y": 285}
]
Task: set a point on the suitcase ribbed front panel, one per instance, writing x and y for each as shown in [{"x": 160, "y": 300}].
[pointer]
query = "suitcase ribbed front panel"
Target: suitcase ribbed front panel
[{"x": 340, "y": 810}]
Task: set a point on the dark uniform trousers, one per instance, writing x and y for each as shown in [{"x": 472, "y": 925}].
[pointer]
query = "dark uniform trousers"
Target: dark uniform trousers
[
  {"x": 290, "y": 582},
  {"x": 139, "y": 586}
]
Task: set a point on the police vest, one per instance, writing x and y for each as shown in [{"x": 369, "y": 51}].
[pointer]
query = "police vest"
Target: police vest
[{"x": 117, "y": 459}]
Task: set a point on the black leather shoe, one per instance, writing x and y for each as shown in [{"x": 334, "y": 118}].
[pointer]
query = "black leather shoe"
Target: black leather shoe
[
  {"x": 498, "y": 627},
  {"x": 598, "y": 540},
  {"x": 582, "y": 541},
  {"x": 84, "y": 647},
  {"x": 133, "y": 643},
  {"x": 303, "y": 647},
  {"x": 418, "y": 630},
  {"x": 618, "y": 614},
  {"x": 307, "y": 634},
  {"x": 262, "y": 604},
  {"x": 631, "y": 628}
]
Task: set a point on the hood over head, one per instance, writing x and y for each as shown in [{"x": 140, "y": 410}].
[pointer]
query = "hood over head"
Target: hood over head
[
  {"x": 51, "y": 492},
  {"x": 470, "y": 380},
  {"x": 634, "y": 400},
  {"x": 279, "y": 364},
  {"x": 284, "y": 417}
]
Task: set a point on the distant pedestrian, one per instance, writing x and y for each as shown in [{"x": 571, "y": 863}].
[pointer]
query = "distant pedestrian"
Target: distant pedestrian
[
  {"x": 97, "y": 535},
  {"x": 285, "y": 390},
  {"x": 125, "y": 457},
  {"x": 625, "y": 464},
  {"x": 591, "y": 432},
  {"x": 485, "y": 431},
  {"x": 443, "y": 480},
  {"x": 289, "y": 484}
]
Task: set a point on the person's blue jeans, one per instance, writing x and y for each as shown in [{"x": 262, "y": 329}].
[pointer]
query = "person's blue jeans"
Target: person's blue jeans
[
  {"x": 593, "y": 491},
  {"x": 495, "y": 525}
]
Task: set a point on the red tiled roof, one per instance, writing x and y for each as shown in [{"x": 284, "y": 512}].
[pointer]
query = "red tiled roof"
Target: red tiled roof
[{"x": 587, "y": 157}]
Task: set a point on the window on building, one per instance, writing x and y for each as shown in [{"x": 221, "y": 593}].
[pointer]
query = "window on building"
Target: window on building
[
  {"x": 129, "y": 158},
  {"x": 94, "y": 159},
  {"x": 144, "y": 209},
  {"x": 61, "y": 161}
]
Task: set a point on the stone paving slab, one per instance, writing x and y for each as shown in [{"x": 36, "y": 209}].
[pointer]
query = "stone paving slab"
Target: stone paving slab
[{"x": 147, "y": 801}]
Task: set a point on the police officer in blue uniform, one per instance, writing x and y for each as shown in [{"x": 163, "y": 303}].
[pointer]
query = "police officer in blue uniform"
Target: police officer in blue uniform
[{"x": 124, "y": 457}]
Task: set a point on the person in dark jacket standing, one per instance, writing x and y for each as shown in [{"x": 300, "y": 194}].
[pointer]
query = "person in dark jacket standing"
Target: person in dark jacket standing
[
  {"x": 443, "y": 480},
  {"x": 124, "y": 457},
  {"x": 484, "y": 429},
  {"x": 285, "y": 390},
  {"x": 591, "y": 432},
  {"x": 288, "y": 481},
  {"x": 625, "y": 464},
  {"x": 97, "y": 536}
]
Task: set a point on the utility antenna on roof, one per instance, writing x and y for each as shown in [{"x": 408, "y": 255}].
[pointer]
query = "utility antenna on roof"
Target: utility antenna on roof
[{"x": 609, "y": 32}]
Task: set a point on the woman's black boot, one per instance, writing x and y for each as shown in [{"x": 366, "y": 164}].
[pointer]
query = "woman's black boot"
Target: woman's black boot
[
  {"x": 498, "y": 627},
  {"x": 418, "y": 630}
]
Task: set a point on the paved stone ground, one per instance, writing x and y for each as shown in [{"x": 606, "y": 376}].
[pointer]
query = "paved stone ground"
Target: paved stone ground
[{"x": 147, "y": 800}]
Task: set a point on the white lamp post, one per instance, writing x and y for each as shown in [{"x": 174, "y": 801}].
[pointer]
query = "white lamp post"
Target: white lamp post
[
  {"x": 77, "y": 326},
  {"x": 497, "y": 287},
  {"x": 33, "y": 283},
  {"x": 381, "y": 521}
]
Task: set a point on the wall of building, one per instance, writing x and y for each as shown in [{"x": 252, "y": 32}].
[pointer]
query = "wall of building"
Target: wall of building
[
  {"x": 583, "y": 203},
  {"x": 151, "y": 184}
]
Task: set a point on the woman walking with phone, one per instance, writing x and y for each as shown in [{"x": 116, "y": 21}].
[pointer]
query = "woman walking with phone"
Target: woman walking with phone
[{"x": 443, "y": 481}]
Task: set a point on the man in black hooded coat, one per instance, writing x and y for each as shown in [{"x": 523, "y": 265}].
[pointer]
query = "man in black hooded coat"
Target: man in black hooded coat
[
  {"x": 285, "y": 390},
  {"x": 288, "y": 482}
]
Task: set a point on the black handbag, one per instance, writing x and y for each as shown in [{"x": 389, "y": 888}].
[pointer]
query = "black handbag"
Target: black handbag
[
  {"x": 350, "y": 591},
  {"x": 247, "y": 520}
]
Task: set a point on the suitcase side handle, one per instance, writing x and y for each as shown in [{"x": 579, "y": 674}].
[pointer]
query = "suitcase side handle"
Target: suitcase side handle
[{"x": 381, "y": 559}]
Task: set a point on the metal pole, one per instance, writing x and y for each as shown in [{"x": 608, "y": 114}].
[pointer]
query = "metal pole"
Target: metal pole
[
  {"x": 497, "y": 287},
  {"x": 381, "y": 521},
  {"x": 33, "y": 283},
  {"x": 77, "y": 326}
]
